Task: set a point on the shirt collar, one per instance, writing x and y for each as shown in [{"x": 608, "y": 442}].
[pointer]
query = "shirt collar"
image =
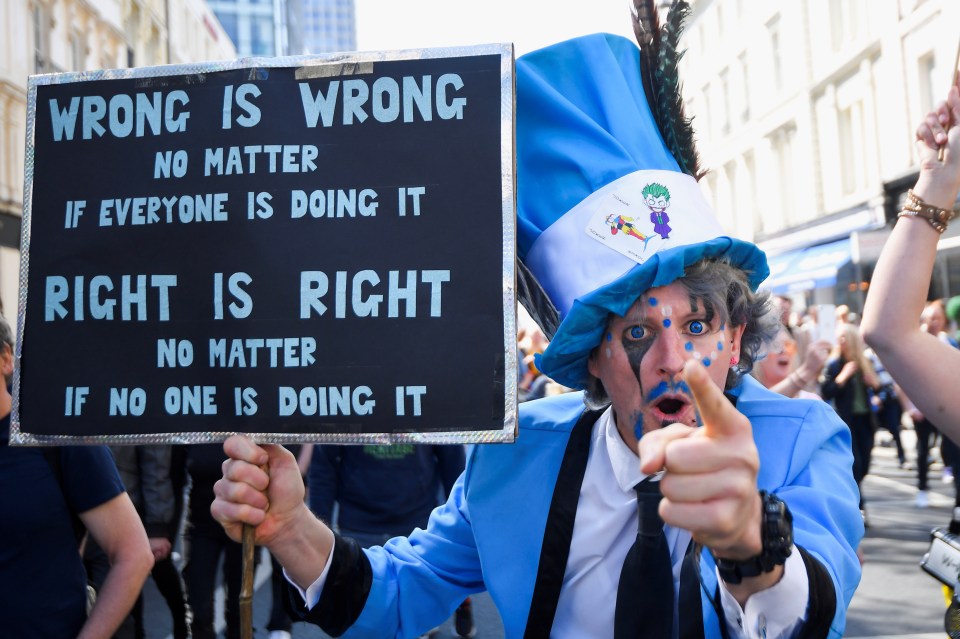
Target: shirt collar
[{"x": 625, "y": 462}]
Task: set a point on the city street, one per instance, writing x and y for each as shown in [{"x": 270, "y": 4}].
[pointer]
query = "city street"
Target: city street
[{"x": 896, "y": 599}]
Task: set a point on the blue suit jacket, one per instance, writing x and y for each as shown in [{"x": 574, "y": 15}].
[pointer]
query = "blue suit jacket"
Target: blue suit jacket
[{"x": 489, "y": 533}]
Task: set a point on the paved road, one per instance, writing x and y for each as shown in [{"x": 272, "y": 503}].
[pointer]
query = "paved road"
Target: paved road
[{"x": 896, "y": 599}]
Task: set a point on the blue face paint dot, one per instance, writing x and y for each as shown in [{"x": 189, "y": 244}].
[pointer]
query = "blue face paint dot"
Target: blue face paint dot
[
  {"x": 723, "y": 327},
  {"x": 609, "y": 336},
  {"x": 666, "y": 323},
  {"x": 688, "y": 346},
  {"x": 652, "y": 301},
  {"x": 706, "y": 361},
  {"x": 719, "y": 346}
]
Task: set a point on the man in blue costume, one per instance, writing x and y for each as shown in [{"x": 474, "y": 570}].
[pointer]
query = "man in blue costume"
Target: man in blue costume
[{"x": 758, "y": 499}]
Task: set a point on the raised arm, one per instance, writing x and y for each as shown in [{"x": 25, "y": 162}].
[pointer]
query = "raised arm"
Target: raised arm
[
  {"x": 900, "y": 282},
  {"x": 813, "y": 361},
  {"x": 262, "y": 486}
]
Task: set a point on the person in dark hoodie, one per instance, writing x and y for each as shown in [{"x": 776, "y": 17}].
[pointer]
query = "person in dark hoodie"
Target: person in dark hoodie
[{"x": 383, "y": 492}]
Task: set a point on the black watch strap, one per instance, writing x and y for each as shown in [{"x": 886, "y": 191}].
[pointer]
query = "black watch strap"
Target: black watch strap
[{"x": 776, "y": 531}]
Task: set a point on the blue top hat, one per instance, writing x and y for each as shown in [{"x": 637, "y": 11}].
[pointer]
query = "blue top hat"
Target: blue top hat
[{"x": 604, "y": 211}]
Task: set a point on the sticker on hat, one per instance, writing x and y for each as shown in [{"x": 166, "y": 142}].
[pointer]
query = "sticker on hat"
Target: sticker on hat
[{"x": 645, "y": 213}]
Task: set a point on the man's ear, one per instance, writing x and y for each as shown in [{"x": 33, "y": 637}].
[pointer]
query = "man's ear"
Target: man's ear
[
  {"x": 6, "y": 360},
  {"x": 736, "y": 335},
  {"x": 592, "y": 363}
]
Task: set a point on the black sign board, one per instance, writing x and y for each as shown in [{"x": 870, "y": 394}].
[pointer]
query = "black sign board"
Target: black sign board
[{"x": 303, "y": 249}]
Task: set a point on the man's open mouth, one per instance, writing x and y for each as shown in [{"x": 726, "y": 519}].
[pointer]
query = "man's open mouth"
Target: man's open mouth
[{"x": 670, "y": 408}]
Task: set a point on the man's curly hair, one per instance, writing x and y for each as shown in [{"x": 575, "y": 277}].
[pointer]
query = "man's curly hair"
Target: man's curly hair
[{"x": 724, "y": 291}]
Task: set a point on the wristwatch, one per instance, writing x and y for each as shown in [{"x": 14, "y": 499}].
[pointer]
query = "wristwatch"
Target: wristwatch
[{"x": 776, "y": 532}]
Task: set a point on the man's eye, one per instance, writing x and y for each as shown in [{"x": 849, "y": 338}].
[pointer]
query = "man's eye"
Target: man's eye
[
  {"x": 697, "y": 327},
  {"x": 635, "y": 332}
]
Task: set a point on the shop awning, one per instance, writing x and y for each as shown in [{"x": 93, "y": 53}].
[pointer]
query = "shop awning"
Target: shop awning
[{"x": 807, "y": 268}]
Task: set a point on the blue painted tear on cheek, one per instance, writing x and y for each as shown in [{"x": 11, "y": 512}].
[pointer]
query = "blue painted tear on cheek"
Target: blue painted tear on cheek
[
  {"x": 688, "y": 346},
  {"x": 666, "y": 323},
  {"x": 719, "y": 346},
  {"x": 638, "y": 428},
  {"x": 609, "y": 336},
  {"x": 652, "y": 301}
]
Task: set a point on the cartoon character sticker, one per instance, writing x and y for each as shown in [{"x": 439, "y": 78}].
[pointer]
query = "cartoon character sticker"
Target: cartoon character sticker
[
  {"x": 618, "y": 220},
  {"x": 623, "y": 223},
  {"x": 657, "y": 197}
]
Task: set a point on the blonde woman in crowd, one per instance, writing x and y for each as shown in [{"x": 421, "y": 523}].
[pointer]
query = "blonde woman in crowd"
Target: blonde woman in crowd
[{"x": 847, "y": 381}]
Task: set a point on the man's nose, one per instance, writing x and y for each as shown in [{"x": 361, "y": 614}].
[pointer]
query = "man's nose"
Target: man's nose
[{"x": 671, "y": 353}]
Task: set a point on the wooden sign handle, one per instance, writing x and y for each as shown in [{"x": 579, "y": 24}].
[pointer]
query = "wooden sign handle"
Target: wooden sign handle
[{"x": 246, "y": 588}]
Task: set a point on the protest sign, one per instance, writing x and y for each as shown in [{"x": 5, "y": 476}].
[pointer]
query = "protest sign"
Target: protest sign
[{"x": 303, "y": 249}]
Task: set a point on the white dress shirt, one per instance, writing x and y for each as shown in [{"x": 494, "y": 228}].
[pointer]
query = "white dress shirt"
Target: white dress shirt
[{"x": 604, "y": 530}]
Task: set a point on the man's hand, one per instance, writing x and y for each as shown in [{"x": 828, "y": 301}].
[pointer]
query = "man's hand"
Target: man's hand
[
  {"x": 710, "y": 484},
  {"x": 261, "y": 486},
  {"x": 160, "y": 547}
]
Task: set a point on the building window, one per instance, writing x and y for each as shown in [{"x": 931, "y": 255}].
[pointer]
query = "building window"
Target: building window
[
  {"x": 836, "y": 25},
  {"x": 851, "y": 140},
  {"x": 41, "y": 46},
  {"x": 844, "y": 22},
  {"x": 783, "y": 143},
  {"x": 926, "y": 75},
  {"x": 229, "y": 22},
  {"x": 776, "y": 64},
  {"x": 77, "y": 53},
  {"x": 744, "y": 92},
  {"x": 845, "y": 140},
  {"x": 150, "y": 48},
  {"x": 749, "y": 193},
  {"x": 729, "y": 213},
  {"x": 725, "y": 102},
  {"x": 261, "y": 36},
  {"x": 706, "y": 113}
]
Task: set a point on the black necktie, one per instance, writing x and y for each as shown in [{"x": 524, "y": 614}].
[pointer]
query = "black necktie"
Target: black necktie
[{"x": 645, "y": 594}]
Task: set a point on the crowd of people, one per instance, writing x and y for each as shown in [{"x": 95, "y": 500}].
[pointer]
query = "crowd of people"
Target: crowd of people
[{"x": 847, "y": 373}]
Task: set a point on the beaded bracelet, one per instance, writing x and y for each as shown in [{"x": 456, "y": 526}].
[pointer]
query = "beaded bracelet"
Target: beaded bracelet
[{"x": 936, "y": 216}]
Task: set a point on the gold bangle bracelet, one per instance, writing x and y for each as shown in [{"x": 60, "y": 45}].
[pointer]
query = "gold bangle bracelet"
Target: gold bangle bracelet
[{"x": 937, "y": 217}]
